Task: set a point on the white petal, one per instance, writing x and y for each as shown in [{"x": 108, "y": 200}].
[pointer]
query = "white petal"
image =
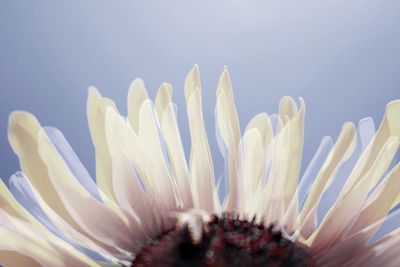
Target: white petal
[
  {"x": 151, "y": 147},
  {"x": 96, "y": 112},
  {"x": 225, "y": 129},
  {"x": 287, "y": 107},
  {"x": 388, "y": 128},
  {"x": 17, "y": 235},
  {"x": 349, "y": 206},
  {"x": 168, "y": 123},
  {"x": 21, "y": 190},
  {"x": 285, "y": 167},
  {"x": 228, "y": 124},
  {"x": 252, "y": 170},
  {"x": 340, "y": 152},
  {"x": 23, "y": 136},
  {"x": 72, "y": 160},
  {"x": 201, "y": 167},
  {"x": 380, "y": 201},
  {"x": 129, "y": 192},
  {"x": 136, "y": 96},
  {"x": 114, "y": 228},
  {"x": 366, "y": 131}
]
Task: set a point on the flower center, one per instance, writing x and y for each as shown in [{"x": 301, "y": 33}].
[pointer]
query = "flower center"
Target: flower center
[{"x": 222, "y": 242}]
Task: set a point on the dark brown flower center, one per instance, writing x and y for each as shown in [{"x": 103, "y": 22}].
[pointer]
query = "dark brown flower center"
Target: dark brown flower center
[{"x": 226, "y": 241}]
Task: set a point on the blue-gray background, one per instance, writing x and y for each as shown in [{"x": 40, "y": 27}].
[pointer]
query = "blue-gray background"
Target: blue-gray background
[{"x": 342, "y": 56}]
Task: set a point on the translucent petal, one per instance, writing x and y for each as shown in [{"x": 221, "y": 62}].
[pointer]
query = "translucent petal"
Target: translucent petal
[
  {"x": 72, "y": 160},
  {"x": 21, "y": 190}
]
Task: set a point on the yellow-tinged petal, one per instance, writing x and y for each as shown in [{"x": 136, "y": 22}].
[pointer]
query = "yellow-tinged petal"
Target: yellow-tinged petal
[
  {"x": 229, "y": 129},
  {"x": 79, "y": 202},
  {"x": 11, "y": 206},
  {"x": 388, "y": 128},
  {"x": 201, "y": 166},
  {"x": 380, "y": 202},
  {"x": 169, "y": 128},
  {"x": 343, "y": 147},
  {"x": 37, "y": 243},
  {"x": 287, "y": 107},
  {"x": 252, "y": 171},
  {"x": 262, "y": 123},
  {"x": 137, "y": 94},
  {"x": 23, "y": 135},
  {"x": 163, "y": 99},
  {"x": 225, "y": 88},
  {"x": 349, "y": 207},
  {"x": 96, "y": 112}
]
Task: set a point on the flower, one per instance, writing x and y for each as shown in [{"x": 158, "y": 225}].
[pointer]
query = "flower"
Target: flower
[{"x": 148, "y": 199}]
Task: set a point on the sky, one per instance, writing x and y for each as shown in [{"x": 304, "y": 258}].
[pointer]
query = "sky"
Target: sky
[{"x": 341, "y": 56}]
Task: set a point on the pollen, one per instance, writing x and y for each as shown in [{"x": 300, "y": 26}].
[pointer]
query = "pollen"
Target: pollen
[{"x": 225, "y": 241}]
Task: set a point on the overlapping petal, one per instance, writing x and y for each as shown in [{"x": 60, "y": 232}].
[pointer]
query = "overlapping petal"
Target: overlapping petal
[{"x": 58, "y": 215}]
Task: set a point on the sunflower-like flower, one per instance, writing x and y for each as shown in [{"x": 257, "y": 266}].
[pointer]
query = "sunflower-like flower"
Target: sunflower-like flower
[{"x": 150, "y": 206}]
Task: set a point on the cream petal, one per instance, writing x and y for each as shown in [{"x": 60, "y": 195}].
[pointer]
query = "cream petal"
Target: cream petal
[
  {"x": 365, "y": 133},
  {"x": 137, "y": 94},
  {"x": 12, "y": 210},
  {"x": 357, "y": 244},
  {"x": 346, "y": 192},
  {"x": 163, "y": 99},
  {"x": 287, "y": 107},
  {"x": 225, "y": 130},
  {"x": 223, "y": 183},
  {"x": 302, "y": 190},
  {"x": 80, "y": 237},
  {"x": 278, "y": 154},
  {"x": 225, "y": 87},
  {"x": 150, "y": 141},
  {"x": 379, "y": 202},
  {"x": 71, "y": 159},
  {"x": 96, "y": 112},
  {"x": 340, "y": 152},
  {"x": 23, "y": 135},
  {"x": 99, "y": 105},
  {"x": 166, "y": 114},
  {"x": 276, "y": 123},
  {"x": 349, "y": 206},
  {"x": 262, "y": 123},
  {"x": 252, "y": 169},
  {"x": 129, "y": 192},
  {"x": 286, "y": 152},
  {"x": 311, "y": 172},
  {"x": 127, "y": 142},
  {"x": 22, "y": 192},
  {"x": 176, "y": 155},
  {"x": 143, "y": 151},
  {"x": 22, "y": 237},
  {"x": 295, "y": 128},
  {"x": 387, "y": 129},
  {"x": 25, "y": 128},
  {"x": 114, "y": 228},
  {"x": 201, "y": 167}
]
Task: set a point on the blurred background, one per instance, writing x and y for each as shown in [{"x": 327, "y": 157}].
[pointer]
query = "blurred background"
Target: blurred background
[{"x": 342, "y": 57}]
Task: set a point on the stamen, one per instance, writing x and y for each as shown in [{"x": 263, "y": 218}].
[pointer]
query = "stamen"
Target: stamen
[{"x": 221, "y": 242}]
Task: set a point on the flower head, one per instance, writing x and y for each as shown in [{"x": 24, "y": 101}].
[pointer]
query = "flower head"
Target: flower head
[{"x": 150, "y": 206}]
